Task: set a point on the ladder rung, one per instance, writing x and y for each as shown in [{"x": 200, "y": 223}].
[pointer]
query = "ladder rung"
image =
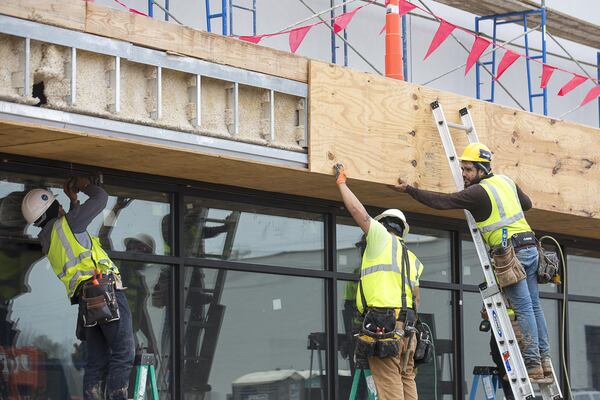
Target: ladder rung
[
  {"x": 509, "y": 21},
  {"x": 536, "y": 57},
  {"x": 220, "y": 15},
  {"x": 458, "y": 126},
  {"x": 488, "y": 63},
  {"x": 537, "y": 95}
]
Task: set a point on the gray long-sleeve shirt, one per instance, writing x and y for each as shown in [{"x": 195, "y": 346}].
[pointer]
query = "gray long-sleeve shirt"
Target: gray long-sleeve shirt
[{"x": 79, "y": 217}]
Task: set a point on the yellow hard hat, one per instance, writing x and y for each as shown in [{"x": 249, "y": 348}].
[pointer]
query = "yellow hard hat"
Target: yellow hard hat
[{"x": 476, "y": 152}]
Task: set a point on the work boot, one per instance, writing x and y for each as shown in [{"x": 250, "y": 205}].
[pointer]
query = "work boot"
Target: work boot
[
  {"x": 547, "y": 366},
  {"x": 536, "y": 374}
]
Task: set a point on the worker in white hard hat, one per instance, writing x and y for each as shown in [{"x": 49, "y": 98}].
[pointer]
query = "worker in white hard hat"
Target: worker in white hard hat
[
  {"x": 387, "y": 297},
  {"x": 77, "y": 258},
  {"x": 497, "y": 204}
]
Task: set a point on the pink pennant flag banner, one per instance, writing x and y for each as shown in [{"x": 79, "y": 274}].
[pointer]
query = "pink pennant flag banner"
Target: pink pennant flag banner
[
  {"x": 297, "y": 36},
  {"x": 572, "y": 84},
  {"x": 341, "y": 22},
  {"x": 507, "y": 60},
  {"x": 591, "y": 95},
  {"x": 405, "y": 7},
  {"x": 251, "y": 39},
  {"x": 479, "y": 46},
  {"x": 443, "y": 31},
  {"x": 547, "y": 71}
]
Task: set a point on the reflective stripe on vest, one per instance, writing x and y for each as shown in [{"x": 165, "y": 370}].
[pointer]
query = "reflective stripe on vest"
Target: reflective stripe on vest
[
  {"x": 506, "y": 210},
  {"x": 72, "y": 262},
  {"x": 382, "y": 283}
]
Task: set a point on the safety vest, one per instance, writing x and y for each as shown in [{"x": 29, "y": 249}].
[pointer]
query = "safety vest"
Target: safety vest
[
  {"x": 381, "y": 277},
  {"x": 72, "y": 262},
  {"x": 506, "y": 210}
]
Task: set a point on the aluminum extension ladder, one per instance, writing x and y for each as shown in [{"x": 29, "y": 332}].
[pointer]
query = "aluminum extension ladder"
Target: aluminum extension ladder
[{"x": 493, "y": 298}]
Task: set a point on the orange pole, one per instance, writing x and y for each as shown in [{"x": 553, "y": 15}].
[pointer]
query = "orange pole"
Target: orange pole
[{"x": 393, "y": 42}]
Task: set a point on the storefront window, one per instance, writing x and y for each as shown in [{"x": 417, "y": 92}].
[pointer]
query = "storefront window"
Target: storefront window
[
  {"x": 249, "y": 335},
  {"x": 584, "y": 348},
  {"x": 253, "y": 234},
  {"x": 348, "y": 237},
  {"x": 583, "y": 268},
  {"x": 436, "y": 379}
]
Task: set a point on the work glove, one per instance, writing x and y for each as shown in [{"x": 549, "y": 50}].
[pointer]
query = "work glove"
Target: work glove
[{"x": 340, "y": 173}]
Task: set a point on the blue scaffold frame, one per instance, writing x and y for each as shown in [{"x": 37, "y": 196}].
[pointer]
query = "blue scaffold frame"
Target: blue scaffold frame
[{"x": 513, "y": 17}]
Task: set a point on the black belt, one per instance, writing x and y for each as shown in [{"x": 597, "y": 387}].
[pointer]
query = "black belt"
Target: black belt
[{"x": 522, "y": 240}]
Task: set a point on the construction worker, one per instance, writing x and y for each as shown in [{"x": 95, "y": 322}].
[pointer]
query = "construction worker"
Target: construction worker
[
  {"x": 75, "y": 256},
  {"x": 383, "y": 287},
  {"x": 497, "y": 204}
]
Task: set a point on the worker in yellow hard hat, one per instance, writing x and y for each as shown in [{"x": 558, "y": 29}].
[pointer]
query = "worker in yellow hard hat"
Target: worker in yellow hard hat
[{"x": 497, "y": 205}]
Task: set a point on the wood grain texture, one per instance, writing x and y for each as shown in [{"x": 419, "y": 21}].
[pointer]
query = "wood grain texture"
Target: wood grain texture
[
  {"x": 215, "y": 48},
  {"x": 137, "y": 156},
  {"x": 66, "y": 14},
  {"x": 382, "y": 129}
]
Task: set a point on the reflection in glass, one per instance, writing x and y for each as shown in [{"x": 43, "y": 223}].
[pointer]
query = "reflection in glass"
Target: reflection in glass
[
  {"x": 584, "y": 347},
  {"x": 128, "y": 213},
  {"x": 436, "y": 311},
  {"x": 149, "y": 295},
  {"x": 584, "y": 271},
  {"x": 253, "y": 234},
  {"x": 246, "y": 335}
]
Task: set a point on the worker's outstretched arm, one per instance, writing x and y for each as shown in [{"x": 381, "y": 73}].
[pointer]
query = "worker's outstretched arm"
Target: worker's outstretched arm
[{"x": 353, "y": 205}]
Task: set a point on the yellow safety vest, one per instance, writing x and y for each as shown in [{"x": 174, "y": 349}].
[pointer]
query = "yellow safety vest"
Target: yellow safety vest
[
  {"x": 381, "y": 277},
  {"x": 72, "y": 262},
  {"x": 506, "y": 210}
]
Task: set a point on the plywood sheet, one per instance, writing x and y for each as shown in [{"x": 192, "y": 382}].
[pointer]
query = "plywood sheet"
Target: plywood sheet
[
  {"x": 136, "y": 156},
  {"x": 67, "y": 14},
  {"x": 176, "y": 38},
  {"x": 382, "y": 129}
]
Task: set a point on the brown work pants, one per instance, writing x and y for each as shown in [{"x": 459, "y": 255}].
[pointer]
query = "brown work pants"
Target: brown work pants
[{"x": 391, "y": 381}]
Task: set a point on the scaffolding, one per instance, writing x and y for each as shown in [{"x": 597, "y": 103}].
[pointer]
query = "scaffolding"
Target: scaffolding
[{"x": 522, "y": 17}]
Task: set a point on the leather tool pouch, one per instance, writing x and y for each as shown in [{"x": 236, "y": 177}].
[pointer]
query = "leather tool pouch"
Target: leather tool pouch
[
  {"x": 98, "y": 304},
  {"x": 548, "y": 264},
  {"x": 378, "y": 336},
  {"x": 509, "y": 269},
  {"x": 424, "y": 349}
]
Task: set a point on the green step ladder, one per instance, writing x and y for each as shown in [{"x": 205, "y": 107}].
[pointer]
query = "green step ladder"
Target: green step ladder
[
  {"x": 366, "y": 372},
  {"x": 144, "y": 363}
]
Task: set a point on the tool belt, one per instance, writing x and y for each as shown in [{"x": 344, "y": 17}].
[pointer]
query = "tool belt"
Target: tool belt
[
  {"x": 524, "y": 239},
  {"x": 97, "y": 302},
  {"x": 507, "y": 266},
  {"x": 379, "y": 336},
  {"x": 548, "y": 264}
]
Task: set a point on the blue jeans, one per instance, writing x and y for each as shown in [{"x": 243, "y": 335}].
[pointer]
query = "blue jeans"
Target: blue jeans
[
  {"x": 525, "y": 299},
  {"x": 110, "y": 354}
]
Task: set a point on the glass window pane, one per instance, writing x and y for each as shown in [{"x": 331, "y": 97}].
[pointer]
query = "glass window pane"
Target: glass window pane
[
  {"x": 432, "y": 247},
  {"x": 436, "y": 311},
  {"x": 149, "y": 294},
  {"x": 348, "y": 324},
  {"x": 477, "y": 343},
  {"x": 584, "y": 348},
  {"x": 584, "y": 271},
  {"x": 348, "y": 235},
  {"x": 133, "y": 220},
  {"x": 246, "y": 335},
  {"x": 253, "y": 234}
]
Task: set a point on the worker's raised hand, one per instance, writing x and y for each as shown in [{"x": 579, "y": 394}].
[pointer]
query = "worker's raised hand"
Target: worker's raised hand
[
  {"x": 69, "y": 189},
  {"x": 401, "y": 186},
  {"x": 340, "y": 173}
]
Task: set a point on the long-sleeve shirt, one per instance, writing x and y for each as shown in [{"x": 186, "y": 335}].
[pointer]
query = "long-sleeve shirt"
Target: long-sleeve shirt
[
  {"x": 474, "y": 198},
  {"x": 79, "y": 217}
]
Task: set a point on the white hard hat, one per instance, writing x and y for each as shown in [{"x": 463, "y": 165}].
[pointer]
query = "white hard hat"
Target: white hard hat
[
  {"x": 35, "y": 203},
  {"x": 142, "y": 238},
  {"x": 395, "y": 213}
]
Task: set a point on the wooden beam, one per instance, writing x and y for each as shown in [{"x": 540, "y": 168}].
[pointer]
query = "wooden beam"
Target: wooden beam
[
  {"x": 136, "y": 156},
  {"x": 171, "y": 37},
  {"x": 66, "y": 14},
  {"x": 557, "y": 23},
  {"x": 382, "y": 129}
]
